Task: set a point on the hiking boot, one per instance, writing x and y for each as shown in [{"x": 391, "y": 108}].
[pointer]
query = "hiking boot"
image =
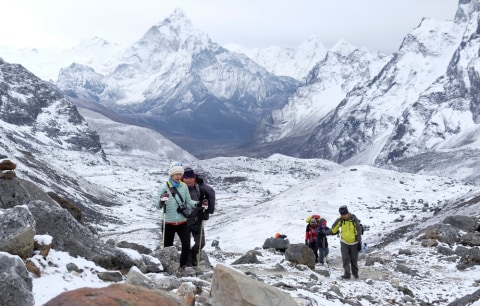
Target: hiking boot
[
  {"x": 345, "y": 276},
  {"x": 355, "y": 276}
]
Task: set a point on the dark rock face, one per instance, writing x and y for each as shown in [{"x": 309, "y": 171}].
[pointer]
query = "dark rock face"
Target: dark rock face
[
  {"x": 74, "y": 210},
  {"x": 73, "y": 237},
  {"x": 26, "y": 100},
  {"x": 68, "y": 234}
]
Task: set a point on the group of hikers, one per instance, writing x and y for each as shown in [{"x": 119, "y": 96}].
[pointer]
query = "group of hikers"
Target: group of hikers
[
  {"x": 187, "y": 201},
  {"x": 350, "y": 230}
]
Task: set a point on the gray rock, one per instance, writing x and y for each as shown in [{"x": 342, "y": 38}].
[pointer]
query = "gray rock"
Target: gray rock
[
  {"x": 110, "y": 276},
  {"x": 472, "y": 239},
  {"x": 232, "y": 287},
  {"x": 276, "y": 243},
  {"x": 71, "y": 236},
  {"x": 445, "y": 233},
  {"x": 464, "y": 223},
  {"x": 15, "y": 282},
  {"x": 249, "y": 258},
  {"x": 17, "y": 231},
  {"x": 300, "y": 254}
]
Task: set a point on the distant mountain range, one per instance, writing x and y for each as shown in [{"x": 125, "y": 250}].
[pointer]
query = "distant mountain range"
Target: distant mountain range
[{"x": 414, "y": 110}]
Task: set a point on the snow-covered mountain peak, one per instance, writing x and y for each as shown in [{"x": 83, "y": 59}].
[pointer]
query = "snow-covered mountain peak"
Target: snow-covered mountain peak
[
  {"x": 93, "y": 42},
  {"x": 174, "y": 33},
  {"x": 311, "y": 42},
  {"x": 343, "y": 47},
  {"x": 293, "y": 62}
]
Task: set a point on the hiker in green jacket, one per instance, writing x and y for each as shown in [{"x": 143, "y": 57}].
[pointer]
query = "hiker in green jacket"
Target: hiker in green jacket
[
  {"x": 173, "y": 196},
  {"x": 350, "y": 240}
]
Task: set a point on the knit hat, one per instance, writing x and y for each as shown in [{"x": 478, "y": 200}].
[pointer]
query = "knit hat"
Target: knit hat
[
  {"x": 343, "y": 210},
  {"x": 175, "y": 168},
  {"x": 188, "y": 173},
  {"x": 313, "y": 221}
]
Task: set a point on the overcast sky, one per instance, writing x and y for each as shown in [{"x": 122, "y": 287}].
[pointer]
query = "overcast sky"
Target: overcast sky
[{"x": 376, "y": 24}]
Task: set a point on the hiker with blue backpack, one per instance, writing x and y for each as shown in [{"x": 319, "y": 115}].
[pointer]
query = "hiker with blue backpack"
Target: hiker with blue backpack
[
  {"x": 322, "y": 241},
  {"x": 351, "y": 232}
]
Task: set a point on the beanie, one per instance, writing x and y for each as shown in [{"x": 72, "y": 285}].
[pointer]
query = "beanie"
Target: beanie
[
  {"x": 343, "y": 210},
  {"x": 188, "y": 173},
  {"x": 175, "y": 168}
]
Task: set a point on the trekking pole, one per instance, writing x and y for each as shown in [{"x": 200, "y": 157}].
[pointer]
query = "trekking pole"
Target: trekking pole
[
  {"x": 200, "y": 242},
  {"x": 163, "y": 230}
]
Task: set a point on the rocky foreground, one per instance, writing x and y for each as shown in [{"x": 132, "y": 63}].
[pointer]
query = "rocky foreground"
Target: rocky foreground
[{"x": 277, "y": 273}]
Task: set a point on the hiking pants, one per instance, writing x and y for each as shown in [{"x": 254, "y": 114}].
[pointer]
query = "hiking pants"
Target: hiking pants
[
  {"x": 322, "y": 253},
  {"x": 183, "y": 234},
  {"x": 197, "y": 247},
  {"x": 349, "y": 258},
  {"x": 313, "y": 246}
]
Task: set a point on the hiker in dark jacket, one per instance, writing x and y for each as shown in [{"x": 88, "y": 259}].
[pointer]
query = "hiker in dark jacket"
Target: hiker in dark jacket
[
  {"x": 172, "y": 194},
  {"x": 350, "y": 240},
  {"x": 205, "y": 195},
  {"x": 322, "y": 241}
]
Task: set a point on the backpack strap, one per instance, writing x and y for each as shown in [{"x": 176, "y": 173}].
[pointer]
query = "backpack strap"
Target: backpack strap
[
  {"x": 198, "y": 191},
  {"x": 174, "y": 191}
]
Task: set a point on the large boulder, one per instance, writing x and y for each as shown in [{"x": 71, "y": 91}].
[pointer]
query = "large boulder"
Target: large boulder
[
  {"x": 15, "y": 282},
  {"x": 71, "y": 236},
  {"x": 12, "y": 193},
  {"x": 278, "y": 244},
  {"x": 113, "y": 295},
  {"x": 17, "y": 231},
  {"x": 299, "y": 253},
  {"x": 464, "y": 223},
  {"x": 68, "y": 234},
  {"x": 232, "y": 287},
  {"x": 445, "y": 233}
]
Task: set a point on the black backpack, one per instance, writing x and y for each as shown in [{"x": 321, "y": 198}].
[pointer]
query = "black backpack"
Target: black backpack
[
  {"x": 357, "y": 221},
  {"x": 207, "y": 191}
]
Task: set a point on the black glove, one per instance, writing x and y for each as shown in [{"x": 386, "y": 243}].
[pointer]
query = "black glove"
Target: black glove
[
  {"x": 163, "y": 199},
  {"x": 359, "y": 246},
  {"x": 307, "y": 243}
]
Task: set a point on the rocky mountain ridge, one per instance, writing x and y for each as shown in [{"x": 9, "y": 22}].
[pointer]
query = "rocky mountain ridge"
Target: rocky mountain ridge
[{"x": 366, "y": 115}]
